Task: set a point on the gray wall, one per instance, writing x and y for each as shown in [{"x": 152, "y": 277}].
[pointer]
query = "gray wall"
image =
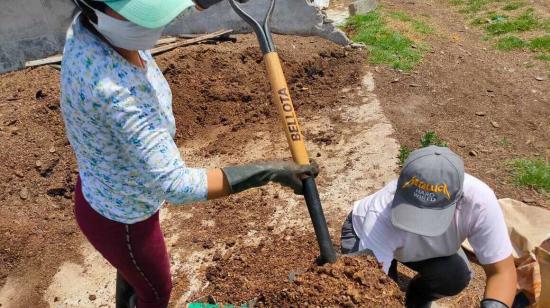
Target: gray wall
[
  {"x": 299, "y": 17},
  {"x": 34, "y": 29},
  {"x": 31, "y": 29}
]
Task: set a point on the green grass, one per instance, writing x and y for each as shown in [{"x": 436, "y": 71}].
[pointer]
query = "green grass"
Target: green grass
[
  {"x": 510, "y": 43},
  {"x": 537, "y": 44},
  {"x": 522, "y": 23},
  {"x": 385, "y": 45},
  {"x": 422, "y": 28},
  {"x": 499, "y": 21},
  {"x": 540, "y": 43},
  {"x": 429, "y": 138},
  {"x": 543, "y": 57},
  {"x": 400, "y": 16},
  {"x": 504, "y": 142},
  {"x": 404, "y": 153},
  {"x": 474, "y": 6},
  {"x": 418, "y": 25},
  {"x": 512, "y": 6},
  {"x": 533, "y": 173}
]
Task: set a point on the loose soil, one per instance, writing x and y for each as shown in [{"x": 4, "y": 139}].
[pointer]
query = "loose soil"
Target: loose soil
[
  {"x": 221, "y": 107},
  {"x": 359, "y": 282}
]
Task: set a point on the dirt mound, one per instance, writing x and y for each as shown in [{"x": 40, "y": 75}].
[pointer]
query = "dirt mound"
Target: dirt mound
[
  {"x": 217, "y": 89},
  {"x": 281, "y": 272},
  {"x": 350, "y": 282}
]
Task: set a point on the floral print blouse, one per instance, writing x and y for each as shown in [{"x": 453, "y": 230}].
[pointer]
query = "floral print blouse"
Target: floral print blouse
[{"x": 119, "y": 121}]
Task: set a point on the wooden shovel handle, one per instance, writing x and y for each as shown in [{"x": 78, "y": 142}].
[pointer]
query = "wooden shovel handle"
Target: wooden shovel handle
[{"x": 281, "y": 98}]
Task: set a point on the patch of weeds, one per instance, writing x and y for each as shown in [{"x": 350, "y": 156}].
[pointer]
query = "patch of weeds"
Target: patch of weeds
[
  {"x": 404, "y": 153},
  {"x": 385, "y": 45},
  {"x": 512, "y": 6},
  {"x": 400, "y": 16},
  {"x": 504, "y": 142},
  {"x": 456, "y": 2},
  {"x": 533, "y": 173},
  {"x": 478, "y": 21},
  {"x": 421, "y": 27},
  {"x": 429, "y": 138},
  {"x": 540, "y": 43},
  {"x": 543, "y": 57},
  {"x": 418, "y": 25},
  {"x": 474, "y": 6},
  {"x": 524, "y": 22},
  {"x": 510, "y": 43}
]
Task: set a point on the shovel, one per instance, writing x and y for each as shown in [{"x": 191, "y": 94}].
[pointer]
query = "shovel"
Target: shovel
[{"x": 281, "y": 98}]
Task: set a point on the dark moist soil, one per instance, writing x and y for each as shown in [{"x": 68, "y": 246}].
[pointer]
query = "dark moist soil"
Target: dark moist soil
[
  {"x": 484, "y": 103},
  {"x": 215, "y": 87}
]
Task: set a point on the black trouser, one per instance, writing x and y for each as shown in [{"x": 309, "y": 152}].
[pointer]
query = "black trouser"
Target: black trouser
[{"x": 436, "y": 278}]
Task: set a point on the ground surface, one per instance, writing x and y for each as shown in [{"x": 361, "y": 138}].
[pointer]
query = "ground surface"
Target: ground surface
[
  {"x": 235, "y": 249},
  {"x": 474, "y": 97},
  {"x": 259, "y": 246}
]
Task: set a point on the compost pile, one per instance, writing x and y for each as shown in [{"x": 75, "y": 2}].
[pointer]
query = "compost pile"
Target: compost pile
[
  {"x": 287, "y": 276},
  {"x": 349, "y": 282}
]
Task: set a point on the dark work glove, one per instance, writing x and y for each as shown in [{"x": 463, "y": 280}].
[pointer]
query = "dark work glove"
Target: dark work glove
[
  {"x": 255, "y": 175},
  {"x": 204, "y": 4},
  {"x": 492, "y": 303}
]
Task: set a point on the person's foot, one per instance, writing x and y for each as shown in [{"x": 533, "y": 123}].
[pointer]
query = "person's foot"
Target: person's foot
[{"x": 125, "y": 295}]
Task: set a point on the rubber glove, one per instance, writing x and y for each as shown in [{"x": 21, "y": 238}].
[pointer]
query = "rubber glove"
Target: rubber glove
[
  {"x": 492, "y": 303},
  {"x": 204, "y": 4},
  {"x": 285, "y": 173}
]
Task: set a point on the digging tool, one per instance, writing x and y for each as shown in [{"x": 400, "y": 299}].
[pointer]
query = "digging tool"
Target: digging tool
[{"x": 281, "y": 98}]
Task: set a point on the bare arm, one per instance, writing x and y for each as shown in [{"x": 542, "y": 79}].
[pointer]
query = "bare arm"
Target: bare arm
[
  {"x": 501, "y": 281},
  {"x": 218, "y": 186}
]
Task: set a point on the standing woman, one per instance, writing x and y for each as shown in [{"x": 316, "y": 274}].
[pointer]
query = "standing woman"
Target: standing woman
[{"x": 117, "y": 108}]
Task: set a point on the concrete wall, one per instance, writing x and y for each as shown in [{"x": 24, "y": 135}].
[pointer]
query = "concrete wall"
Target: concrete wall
[
  {"x": 31, "y": 29},
  {"x": 34, "y": 29},
  {"x": 299, "y": 17}
]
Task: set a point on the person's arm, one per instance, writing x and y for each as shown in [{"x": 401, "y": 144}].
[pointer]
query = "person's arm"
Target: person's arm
[
  {"x": 489, "y": 237},
  {"x": 218, "y": 186},
  {"x": 501, "y": 283},
  {"x": 137, "y": 127},
  {"x": 234, "y": 179}
]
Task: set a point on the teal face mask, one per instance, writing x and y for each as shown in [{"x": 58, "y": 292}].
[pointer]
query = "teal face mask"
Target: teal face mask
[{"x": 125, "y": 34}]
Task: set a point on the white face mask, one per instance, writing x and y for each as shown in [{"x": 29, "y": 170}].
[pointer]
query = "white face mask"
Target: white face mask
[{"x": 125, "y": 34}]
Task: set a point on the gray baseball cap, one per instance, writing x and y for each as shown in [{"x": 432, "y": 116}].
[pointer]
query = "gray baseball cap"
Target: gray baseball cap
[{"x": 427, "y": 191}]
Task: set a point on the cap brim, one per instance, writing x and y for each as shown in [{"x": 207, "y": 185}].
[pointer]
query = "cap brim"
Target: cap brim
[
  {"x": 422, "y": 221},
  {"x": 149, "y": 13}
]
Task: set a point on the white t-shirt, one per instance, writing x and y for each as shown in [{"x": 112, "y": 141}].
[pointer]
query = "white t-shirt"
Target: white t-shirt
[{"x": 478, "y": 218}]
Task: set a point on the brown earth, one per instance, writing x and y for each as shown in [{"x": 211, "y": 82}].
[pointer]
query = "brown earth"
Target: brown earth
[
  {"x": 222, "y": 90},
  {"x": 486, "y": 104},
  {"x": 216, "y": 89},
  {"x": 358, "y": 281}
]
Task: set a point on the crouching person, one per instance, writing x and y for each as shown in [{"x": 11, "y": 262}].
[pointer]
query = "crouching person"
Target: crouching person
[{"x": 421, "y": 220}]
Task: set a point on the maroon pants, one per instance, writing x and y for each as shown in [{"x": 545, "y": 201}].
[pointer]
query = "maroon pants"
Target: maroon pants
[{"x": 137, "y": 251}]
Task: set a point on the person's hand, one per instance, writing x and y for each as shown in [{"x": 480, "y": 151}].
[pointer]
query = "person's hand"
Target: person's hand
[
  {"x": 204, "y": 4},
  {"x": 285, "y": 173}
]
